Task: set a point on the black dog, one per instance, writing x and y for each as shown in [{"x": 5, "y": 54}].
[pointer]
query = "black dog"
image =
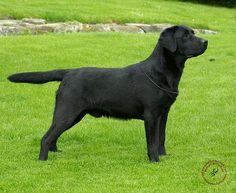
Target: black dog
[{"x": 145, "y": 90}]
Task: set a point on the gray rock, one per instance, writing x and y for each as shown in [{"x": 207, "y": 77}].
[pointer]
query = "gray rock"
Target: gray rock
[
  {"x": 196, "y": 31},
  {"x": 154, "y": 27},
  {"x": 34, "y": 21},
  {"x": 96, "y": 28},
  {"x": 26, "y": 25},
  {"x": 11, "y": 30},
  {"x": 209, "y": 32},
  {"x": 137, "y": 24},
  {"x": 68, "y": 28},
  {"x": 205, "y": 31},
  {"x": 9, "y": 22},
  {"x": 38, "y": 29},
  {"x": 126, "y": 28},
  {"x": 86, "y": 28},
  {"x": 37, "y": 26}
]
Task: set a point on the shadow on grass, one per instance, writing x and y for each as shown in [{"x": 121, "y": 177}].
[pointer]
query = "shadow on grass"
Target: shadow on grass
[{"x": 224, "y": 3}]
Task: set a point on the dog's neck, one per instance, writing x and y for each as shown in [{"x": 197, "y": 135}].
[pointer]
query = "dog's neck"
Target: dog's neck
[{"x": 166, "y": 68}]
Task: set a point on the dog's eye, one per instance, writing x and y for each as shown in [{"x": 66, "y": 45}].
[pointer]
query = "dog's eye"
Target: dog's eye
[{"x": 186, "y": 35}]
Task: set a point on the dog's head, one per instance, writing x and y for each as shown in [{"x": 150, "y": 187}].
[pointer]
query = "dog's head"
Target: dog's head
[{"x": 181, "y": 40}]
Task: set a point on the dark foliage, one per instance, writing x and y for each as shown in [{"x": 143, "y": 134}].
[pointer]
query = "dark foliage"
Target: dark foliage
[{"x": 226, "y": 3}]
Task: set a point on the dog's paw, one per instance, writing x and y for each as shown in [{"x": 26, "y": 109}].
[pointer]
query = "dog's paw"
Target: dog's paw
[
  {"x": 154, "y": 159},
  {"x": 43, "y": 158},
  {"x": 162, "y": 151}
]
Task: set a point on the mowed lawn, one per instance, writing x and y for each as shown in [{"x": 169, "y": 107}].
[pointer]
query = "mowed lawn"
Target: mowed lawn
[
  {"x": 90, "y": 11},
  {"x": 109, "y": 155}
]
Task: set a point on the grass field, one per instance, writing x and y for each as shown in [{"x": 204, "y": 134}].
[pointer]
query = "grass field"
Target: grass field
[
  {"x": 108, "y": 155},
  {"x": 151, "y": 11}
]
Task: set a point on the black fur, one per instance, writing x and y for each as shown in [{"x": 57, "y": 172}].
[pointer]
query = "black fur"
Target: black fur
[
  {"x": 145, "y": 90},
  {"x": 38, "y": 77}
]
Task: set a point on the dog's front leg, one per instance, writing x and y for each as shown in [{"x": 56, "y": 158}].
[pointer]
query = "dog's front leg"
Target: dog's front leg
[
  {"x": 162, "y": 132},
  {"x": 152, "y": 135}
]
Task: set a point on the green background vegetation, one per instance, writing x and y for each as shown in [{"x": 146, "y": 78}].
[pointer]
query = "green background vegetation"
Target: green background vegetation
[
  {"x": 108, "y": 155},
  {"x": 152, "y": 11}
]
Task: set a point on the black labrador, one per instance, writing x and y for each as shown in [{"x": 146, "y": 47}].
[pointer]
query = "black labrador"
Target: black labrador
[{"x": 145, "y": 90}]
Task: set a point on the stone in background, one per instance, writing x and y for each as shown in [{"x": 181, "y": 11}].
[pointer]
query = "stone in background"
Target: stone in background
[{"x": 40, "y": 26}]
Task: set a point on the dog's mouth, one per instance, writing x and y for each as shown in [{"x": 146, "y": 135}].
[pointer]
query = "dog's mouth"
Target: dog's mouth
[
  {"x": 193, "y": 55},
  {"x": 202, "y": 49},
  {"x": 197, "y": 54}
]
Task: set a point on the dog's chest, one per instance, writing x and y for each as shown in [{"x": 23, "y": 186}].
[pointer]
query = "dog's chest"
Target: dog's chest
[{"x": 164, "y": 100}]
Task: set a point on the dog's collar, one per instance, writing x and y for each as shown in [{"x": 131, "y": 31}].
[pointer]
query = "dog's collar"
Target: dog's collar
[{"x": 158, "y": 86}]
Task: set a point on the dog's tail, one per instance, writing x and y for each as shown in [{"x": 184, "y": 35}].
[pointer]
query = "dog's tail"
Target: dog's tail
[{"x": 38, "y": 77}]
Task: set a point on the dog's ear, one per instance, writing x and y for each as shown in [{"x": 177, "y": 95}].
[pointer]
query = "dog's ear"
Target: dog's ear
[{"x": 167, "y": 39}]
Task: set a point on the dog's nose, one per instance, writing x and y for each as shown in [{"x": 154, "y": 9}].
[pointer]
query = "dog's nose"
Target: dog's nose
[{"x": 205, "y": 42}]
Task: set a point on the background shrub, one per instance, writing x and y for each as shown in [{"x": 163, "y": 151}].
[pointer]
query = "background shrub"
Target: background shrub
[{"x": 226, "y": 3}]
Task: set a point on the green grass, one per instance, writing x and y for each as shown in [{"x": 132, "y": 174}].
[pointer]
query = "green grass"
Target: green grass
[
  {"x": 108, "y": 155},
  {"x": 152, "y": 11}
]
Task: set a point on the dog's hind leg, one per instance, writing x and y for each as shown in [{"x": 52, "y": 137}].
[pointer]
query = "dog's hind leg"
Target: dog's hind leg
[
  {"x": 53, "y": 146},
  {"x": 59, "y": 125},
  {"x": 66, "y": 115}
]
